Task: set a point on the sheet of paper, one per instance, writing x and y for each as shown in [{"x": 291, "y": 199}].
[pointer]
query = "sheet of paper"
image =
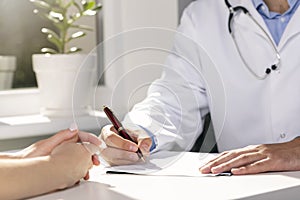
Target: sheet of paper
[{"x": 167, "y": 163}]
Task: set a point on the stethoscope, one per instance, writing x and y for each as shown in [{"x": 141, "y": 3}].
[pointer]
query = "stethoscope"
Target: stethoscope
[{"x": 232, "y": 12}]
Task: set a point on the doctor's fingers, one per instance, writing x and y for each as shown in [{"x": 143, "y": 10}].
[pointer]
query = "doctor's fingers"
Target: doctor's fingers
[
  {"x": 112, "y": 139},
  {"x": 115, "y": 156},
  {"x": 260, "y": 166},
  {"x": 225, "y": 157},
  {"x": 241, "y": 160},
  {"x": 145, "y": 144}
]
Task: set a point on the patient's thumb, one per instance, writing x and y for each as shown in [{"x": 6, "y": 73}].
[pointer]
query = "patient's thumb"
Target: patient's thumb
[{"x": 91, "y": 148}]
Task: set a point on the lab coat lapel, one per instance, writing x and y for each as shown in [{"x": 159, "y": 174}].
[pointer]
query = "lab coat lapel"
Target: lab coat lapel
[
  {"x": 249, "y": 5},
  {"x": 292, "y": 29}
]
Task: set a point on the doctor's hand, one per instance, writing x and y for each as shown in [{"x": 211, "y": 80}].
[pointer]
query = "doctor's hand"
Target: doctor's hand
[
  {"x": 257, "y": 159},
  {"x": 120, "y": 151}
]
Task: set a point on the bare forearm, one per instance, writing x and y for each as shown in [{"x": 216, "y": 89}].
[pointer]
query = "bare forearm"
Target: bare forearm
[
  {"x": 8, "y": 156},
  {"x": 20, "y": 178}
]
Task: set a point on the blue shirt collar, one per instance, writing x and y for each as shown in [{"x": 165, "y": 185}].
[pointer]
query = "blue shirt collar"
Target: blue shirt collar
[{"x": 259, "y": 3}]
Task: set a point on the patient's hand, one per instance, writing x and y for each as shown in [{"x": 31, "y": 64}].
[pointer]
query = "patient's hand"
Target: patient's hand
[
  {"x": 46, "y": 146},
  {"x": 73, "y": 160},
  {"x": 120, "y": 151}
]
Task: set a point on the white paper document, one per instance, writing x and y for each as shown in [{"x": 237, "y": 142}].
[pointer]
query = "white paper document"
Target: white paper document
[{"x": 167, "y": 163}]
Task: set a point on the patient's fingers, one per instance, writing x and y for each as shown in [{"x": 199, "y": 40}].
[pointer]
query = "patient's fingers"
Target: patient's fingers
[{"x": 89, "y": 137}]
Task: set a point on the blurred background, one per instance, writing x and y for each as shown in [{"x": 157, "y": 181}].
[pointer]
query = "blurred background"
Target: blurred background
[{"x": 21, "y": 36}]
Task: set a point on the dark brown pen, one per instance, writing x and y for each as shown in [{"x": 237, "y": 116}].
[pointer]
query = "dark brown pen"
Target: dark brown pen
[{"x": 120, "y": 129}]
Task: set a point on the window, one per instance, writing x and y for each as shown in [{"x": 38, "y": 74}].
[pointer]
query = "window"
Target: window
[
  {"x": 119, "y": 16},
  {"x": 21, "y": 37}
]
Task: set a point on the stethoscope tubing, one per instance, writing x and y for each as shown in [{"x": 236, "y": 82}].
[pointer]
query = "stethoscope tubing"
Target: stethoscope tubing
[{"x": 232, "y": 11}]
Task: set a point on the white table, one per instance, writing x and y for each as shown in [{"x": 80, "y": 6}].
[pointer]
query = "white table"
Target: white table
[{"x": 281, "y": 185}]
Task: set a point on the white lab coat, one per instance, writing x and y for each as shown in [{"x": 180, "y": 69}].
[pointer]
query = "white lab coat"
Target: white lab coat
[{"x": 244, "y": 110}]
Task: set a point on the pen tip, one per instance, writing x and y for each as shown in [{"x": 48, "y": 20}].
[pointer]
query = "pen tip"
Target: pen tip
[{"x": 142, "y": 158}]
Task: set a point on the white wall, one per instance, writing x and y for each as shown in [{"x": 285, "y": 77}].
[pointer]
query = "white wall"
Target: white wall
[{"x": 131, "y": 74}]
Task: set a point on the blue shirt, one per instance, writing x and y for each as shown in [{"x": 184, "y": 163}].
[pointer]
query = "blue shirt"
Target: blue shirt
[{"x": 276, "y": 22}]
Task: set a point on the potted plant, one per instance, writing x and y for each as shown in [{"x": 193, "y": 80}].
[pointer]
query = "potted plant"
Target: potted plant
[{"x": 65, "y": 77}]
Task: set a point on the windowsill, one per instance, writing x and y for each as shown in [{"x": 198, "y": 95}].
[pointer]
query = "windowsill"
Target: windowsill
[
  {"x": 38, "y": 125},
  {"x": 20, "y": 121}
]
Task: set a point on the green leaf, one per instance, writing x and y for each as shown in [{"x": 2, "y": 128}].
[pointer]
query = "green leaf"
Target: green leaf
[
  {"x": 56, "y": 41},
  {"x": 59, "y": 2},
  {"x": 47, "y": 16},
  {"x": 63, "y": 14},
  {"x": 82, "y": 27},
  {"x": 77, "y": 35},
  {"x": 74, "y": 50},
  {"x": 61, "y": 26},
  {"x": 41, "y": 4},
  {"x": 57, "y": 9},
  {"x": 89, "y": 12},
  {"x": 69, "y": 4},
  {"x": 98, "y": 7},
  {"x": 56, "y": 15},
  {"x": 49, "y": 31},
  {"x": 73, "y": 18},
  {"x": 77, "y": 6},
  {"x": 87, "y": 5},
  {"x": 36, "y": 11},
  {"x": 48, "y": 50},
  {"x": 83, "y": 3}
]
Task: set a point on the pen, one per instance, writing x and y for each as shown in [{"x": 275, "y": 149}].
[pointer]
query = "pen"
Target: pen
[
  {"x": 224, "y": 174},
  {"x": 119, "y": 127}
]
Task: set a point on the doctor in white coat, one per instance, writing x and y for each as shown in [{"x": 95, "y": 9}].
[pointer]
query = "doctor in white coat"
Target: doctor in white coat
[{"x": 253, "y": 51}]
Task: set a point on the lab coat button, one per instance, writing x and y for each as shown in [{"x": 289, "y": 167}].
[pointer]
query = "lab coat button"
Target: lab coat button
[
  {"x": 268, "y": 71},
  {"x": 274, "y": 67},
  {"x": 282, "y": 135}
]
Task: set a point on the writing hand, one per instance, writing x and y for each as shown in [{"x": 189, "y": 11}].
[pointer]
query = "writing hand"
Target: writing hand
[{"x": 120, "y": 151}]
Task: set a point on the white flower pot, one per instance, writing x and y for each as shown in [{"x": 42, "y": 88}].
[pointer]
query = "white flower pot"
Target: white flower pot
[
  {"x": 7, "y": 69},
  {"x": 66, "y": 83}
]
